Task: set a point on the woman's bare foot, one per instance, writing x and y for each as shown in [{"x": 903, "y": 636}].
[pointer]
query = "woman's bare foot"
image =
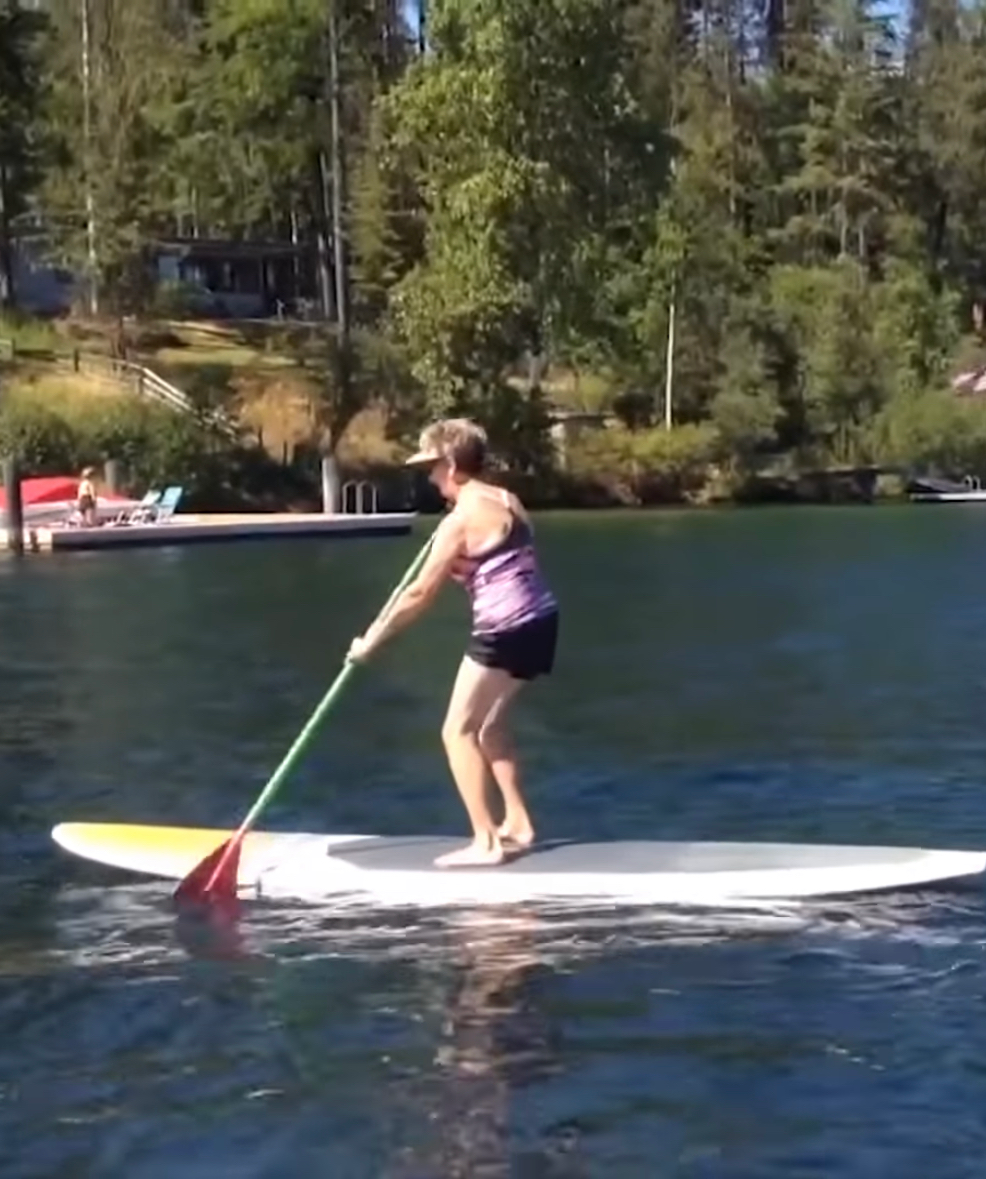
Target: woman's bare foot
[
  {"x": 474, "y": 855},
  {"x": 519, "y": 834}
]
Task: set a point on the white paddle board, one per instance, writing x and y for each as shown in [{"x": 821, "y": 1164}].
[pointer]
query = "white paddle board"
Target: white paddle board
[{"x": 400, "y": 870}]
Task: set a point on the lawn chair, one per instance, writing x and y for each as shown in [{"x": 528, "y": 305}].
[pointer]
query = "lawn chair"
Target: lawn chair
[
  {"x": 164, "y": 509},
  {"x": 136, "y": 514}
]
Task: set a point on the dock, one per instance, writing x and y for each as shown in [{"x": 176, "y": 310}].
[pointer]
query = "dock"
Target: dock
[{"x": 206, "y": 528}]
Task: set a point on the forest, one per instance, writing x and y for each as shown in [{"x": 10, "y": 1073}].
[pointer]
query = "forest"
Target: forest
[{"x": 752, "y": 233}]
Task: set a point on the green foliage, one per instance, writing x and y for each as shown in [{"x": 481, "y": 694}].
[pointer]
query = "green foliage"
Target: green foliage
[
  {"x": 933, "y": 433},
  {"x": 844, "y": 377},
  {"x": 21, "y": 132},
  {"x": 111, "y": 83},
  {"x": 745, "y": 410},
  {"x": 645, "y": 466},
  {"x": 916, "y": 325},
  {"x": 534, "y": 159},
  {"x": 41, "y": 439},
  {"x": 28, "y": 335},
  {"x": 209, "y": 388},
  {"x": 173, "y": 299},
  {"x": 155, "y": 444}
]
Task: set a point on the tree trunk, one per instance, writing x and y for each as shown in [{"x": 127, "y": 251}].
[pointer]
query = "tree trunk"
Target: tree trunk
[
  {"x": 92, "y": 256},
  {"x": 8, "y": 293},
  {"x": 338, "y": 181},
  {"x": 344, "y": 399},
  {"x": 323, "y": 230}
]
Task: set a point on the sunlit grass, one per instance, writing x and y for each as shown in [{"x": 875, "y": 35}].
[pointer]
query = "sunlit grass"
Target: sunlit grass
[
  {"x": 28, "y": 334},
  {"x": 233, "y": 355},
  {"x": 576, "y": 389},
  {"x": 365, "y": 440},
  {"x": 270, "y": 391},
  {"x": 63, "y": 392}
]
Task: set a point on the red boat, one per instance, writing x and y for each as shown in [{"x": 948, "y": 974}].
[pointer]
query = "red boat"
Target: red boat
[{"x": 52, "y": 500}]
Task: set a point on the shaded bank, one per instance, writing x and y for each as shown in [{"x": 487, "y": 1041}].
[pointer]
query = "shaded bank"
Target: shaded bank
[{"x": 151, "y": 445}]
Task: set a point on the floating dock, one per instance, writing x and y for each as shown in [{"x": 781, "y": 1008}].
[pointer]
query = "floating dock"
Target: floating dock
[{"x": 205, "y": 528}]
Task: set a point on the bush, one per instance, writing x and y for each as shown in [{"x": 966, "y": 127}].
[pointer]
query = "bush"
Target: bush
[
  {"x": 154, "y": 444},
  {"x": 153, "y": 337},
  {"x": 42, "y": 439},
  {"x": 932, "y": 433},
  {"x": 209, "y": 387},
  {"x": 27, "y": 333},
  {"x": 645, "y": 466},
  {"x": 175, "y": 299}
]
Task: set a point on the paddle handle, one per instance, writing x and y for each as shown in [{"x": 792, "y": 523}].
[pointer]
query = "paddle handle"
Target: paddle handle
[{"x": 326, "y": 703}]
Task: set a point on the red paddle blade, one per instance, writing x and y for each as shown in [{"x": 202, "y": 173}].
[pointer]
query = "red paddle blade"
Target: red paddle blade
[{"x": 214, "y": 877}]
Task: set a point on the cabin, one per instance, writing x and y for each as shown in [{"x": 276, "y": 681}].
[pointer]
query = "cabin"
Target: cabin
[
  {"x": 212, "y": 278},
  {"x": 40, "y": 287},
  {"x": 238, "y": 279}
]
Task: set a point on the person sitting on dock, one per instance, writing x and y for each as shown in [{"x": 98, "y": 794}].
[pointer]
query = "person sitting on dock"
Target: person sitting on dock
[
  {"x": 85, "y": 502},
  {"x": 486, "y": 543}
]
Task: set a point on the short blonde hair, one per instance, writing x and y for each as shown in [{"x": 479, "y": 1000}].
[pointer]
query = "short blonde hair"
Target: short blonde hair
[{"x": 460, "y": 440}]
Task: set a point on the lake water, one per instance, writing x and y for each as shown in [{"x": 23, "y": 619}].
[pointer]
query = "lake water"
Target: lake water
[{"x": 768, "y": 674}]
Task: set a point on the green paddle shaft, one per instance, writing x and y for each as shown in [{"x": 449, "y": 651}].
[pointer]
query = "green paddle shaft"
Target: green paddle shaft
[{"x": 328, "y": 700}]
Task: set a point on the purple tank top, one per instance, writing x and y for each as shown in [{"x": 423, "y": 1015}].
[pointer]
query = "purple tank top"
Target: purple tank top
[{"x": 505, "y": 583}]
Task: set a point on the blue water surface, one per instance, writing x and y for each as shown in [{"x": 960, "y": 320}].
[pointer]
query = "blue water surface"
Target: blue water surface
[{"x": 781, "y": 674}]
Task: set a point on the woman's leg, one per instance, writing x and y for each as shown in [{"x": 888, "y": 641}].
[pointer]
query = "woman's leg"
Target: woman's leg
[
  {"x": 476, "y": 693},
  {"x": 497, "y": 745}
]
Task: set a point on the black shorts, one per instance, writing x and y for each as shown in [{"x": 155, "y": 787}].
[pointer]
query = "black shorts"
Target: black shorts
[{"x": 525, "y": 652}]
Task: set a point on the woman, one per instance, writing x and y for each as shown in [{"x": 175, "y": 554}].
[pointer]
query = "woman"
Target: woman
[
  {"x": 85, "y": 497},
  {"x": 486, "y": 544}
]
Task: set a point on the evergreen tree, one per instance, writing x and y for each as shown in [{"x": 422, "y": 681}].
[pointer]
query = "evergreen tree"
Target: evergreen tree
[{"x": 21, "y": 135}]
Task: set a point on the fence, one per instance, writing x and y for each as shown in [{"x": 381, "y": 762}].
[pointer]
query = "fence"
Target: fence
[
  {"x": 135, "y": 378},
  {"x": 145, "y": 383}
]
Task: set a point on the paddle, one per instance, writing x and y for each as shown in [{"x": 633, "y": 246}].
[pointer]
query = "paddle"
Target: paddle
[{"x": 216, "y": 875}]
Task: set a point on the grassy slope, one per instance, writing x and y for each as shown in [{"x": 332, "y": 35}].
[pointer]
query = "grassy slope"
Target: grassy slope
[{"x": 270, "y": 390}]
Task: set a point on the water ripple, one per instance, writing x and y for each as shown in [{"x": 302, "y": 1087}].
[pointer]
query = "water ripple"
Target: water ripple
[{"x": 806, "y": 676}]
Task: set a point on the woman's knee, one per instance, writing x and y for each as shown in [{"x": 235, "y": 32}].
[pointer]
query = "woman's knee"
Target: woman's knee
[
  {"x": 479, "y": 699},
  {"x": 494, "y": 741},
  {"x": 459, "y": 727}
]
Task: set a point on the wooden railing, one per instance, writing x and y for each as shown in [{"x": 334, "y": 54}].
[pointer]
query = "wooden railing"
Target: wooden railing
[
  {"x": 145, "y": 382},
  {"x": 132, "y": 377}
]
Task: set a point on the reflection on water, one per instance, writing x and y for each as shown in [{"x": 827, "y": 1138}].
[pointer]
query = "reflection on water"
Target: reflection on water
[
  {"x": 138, "y": 925},
  {"x": 444, "y": 1029},
  {"x": 468, "y": 1042}
]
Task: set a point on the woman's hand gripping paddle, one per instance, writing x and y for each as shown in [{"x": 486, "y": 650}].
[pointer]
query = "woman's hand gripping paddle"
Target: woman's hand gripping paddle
[{"x": 215, "y": 877}]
